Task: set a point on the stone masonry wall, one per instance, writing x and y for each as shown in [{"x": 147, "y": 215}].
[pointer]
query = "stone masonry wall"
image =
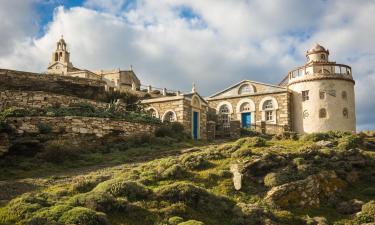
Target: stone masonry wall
[
  {"x": 40, "y": 99},
  {"x": 74, "y": 86},
  {"x": 283, "y": 114},
  {"x": 80, "y": 125}
]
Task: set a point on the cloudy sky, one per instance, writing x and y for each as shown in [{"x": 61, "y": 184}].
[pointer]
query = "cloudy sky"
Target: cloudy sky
[{"x": 215, "y": 43}]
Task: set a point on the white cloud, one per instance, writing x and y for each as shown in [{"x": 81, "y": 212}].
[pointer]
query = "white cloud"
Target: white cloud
[{"x": 222, "y": 43}]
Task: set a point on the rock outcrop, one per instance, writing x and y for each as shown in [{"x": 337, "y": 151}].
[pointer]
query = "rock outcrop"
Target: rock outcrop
[{"x": 305, "y": 193}]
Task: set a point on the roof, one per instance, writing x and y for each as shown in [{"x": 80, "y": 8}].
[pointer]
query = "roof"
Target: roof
[
  {"x": 244, "y": 81},
  {"x": 316, "y": 48}
]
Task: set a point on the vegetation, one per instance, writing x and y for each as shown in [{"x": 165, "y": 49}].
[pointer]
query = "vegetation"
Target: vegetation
[{"x": 142, "y": 180}]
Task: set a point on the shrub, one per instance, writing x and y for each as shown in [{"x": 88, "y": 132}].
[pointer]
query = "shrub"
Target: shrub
[
  {"x": 192, "y": 222},
  {"x": 249, "y": 132},
  {"x": 349, "y": 142},
  {"x": 83, "y": 185},
  {"x": 174, "y": 172},
  {"x": 286, "y": 217},
  {"x": 252, "y": 142},
  {"x": 58, "y": 151},
  {"x": 41, "y": 221},
  {"x": 316, "y": 137},
  {"x": 174, "y": 130},
  {"x": 25, "y": 146},
  {"x": 53, "y": 213},
  {"x": 119, "y": 188},
  {"x": 175, "y": 220},
  {"x": 44, "y": 128},
  {"x": 242, "y": 152},
  {"x": 369, "y": 209},
  {"x": 83, "y": 216},
  {"x": 98, "y": 201},
  {"x": 275, "y": 179},
  {"x": 195, "y": 162}
]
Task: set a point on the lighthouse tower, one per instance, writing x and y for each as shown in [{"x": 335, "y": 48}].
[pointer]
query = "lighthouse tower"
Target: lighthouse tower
[{"x": 323, "y": 94}]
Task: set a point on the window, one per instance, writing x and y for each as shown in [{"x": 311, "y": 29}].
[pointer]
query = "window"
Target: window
[
  {"x": 245, "y": 89},
  {"x": 269, "y": 115},
  {"x": 322, "y": 113},
  {"x": 224, "y": 109},
  {"x": 152, "y": 112},
  {"x": 224, "y": 117},
  {"x": 344, "y": 95},
  {"x": 169, "y": 117},
  {"x": 322, "y": 94},
  {"x": 268, "y": 104},
  {"x": 245, "y": 107},
  {"x": 322, "y": 56},
  {"x": 345, "y": 113},
  {"x": 305, "y": 95}
]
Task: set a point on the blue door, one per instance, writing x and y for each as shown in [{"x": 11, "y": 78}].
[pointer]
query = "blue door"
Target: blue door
[
  {"x": 246, "y": 120},
  {"x": 195, "y": 125}
]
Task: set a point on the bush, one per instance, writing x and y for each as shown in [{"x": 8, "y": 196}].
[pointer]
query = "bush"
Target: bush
[
  {"x": 192, "y": 222},
  {"x": 242, "y": 152},
  {"x": 174, "y": 130},
  {"x": 195, "y": 162},
  {"x": 249, "y": 132},
  {"x": 174, "y": 172},
  {"x": 286, "y": 217},
  {"x": 284, "y": 176},
  {"x": 120, "y": 188},
  {"x": 58, "y": 151},
  {"x": 349, "y": 142},
  {"x": 175, "y": 220},
  {"x": 98, "y": 201},
  {"x": 44, "y": 128},
  {"x": 83, "y": 216},
  {"x": 53, "y": 213},
  {"x": 316, "y": 137},
  {"x": 369, "y": 209}
]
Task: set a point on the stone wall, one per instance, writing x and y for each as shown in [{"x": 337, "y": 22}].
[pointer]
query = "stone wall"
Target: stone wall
[
  {"x": 74, "y": 86},
  {"x": 40, "y": 99},
  {"x": 80, "y": 125}
]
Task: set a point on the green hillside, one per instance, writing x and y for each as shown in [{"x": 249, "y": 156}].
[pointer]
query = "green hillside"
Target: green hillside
[{"x": 325, "y": 178}]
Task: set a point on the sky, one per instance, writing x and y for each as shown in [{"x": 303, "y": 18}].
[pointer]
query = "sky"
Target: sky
[{"x": 214, "y": 43}]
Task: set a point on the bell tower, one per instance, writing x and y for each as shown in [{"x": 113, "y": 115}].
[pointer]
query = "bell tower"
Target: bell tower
[{"x": 60, "y": 63}]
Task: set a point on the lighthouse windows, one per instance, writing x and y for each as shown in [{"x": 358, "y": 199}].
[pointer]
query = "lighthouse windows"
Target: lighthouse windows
[
  {"x": 322, "y": 94},
  {"x": 305, "y": 95},
  {"x": 344, "y": 95},
  {"x": 345, "y": 113},
  {"x": 322, "y": 113}
]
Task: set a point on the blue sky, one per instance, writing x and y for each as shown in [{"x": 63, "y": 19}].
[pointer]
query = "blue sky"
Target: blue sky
[{"x": 214, "y": 43}]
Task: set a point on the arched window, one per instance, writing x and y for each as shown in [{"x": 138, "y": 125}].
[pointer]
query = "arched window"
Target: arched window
[
  {"x": 60, "y": 56},
  {"x": 322, "y": 113},
  {"x": 268, "y": 105},
  {"x": 224, "y": 116},
  {"x": 224, "y": 109},
  {"x": 322, "y": 56},
  {"x": 153, "y": 113},
  {"x": 195, "y": 102},
  {"x": 344, "y": 95},
  {"x": 345, "y": 113},
  {"x": 245, "y": 107},
  {"x": 169, "y": 117},
  {"x": 56, "y": 56},
  {"x": 245, "y": 89}
]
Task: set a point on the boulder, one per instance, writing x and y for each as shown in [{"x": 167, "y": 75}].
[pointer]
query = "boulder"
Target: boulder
[
  {"x": 369, "y": 145},
  {"x": 305, "y": 193},
  {"x": 350, "y": 207},
  {"x": 325, "y": 144},
  {"x": 237, "y": 176}
]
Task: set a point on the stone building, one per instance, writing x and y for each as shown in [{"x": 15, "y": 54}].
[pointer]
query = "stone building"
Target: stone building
[
  {"x": 120, "y": 80},
  {"x": 323, "y": 94},
  {"x": 255, "y": 105},
  {"x": 190, "y": 109},
  {"x": 318, "y": 96}
]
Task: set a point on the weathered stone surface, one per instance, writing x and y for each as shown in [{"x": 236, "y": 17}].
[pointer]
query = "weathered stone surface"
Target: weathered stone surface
[
  {"x": 80, "y": 125},
  {"x": 237, "y": 176},
  {"x": 323, "y": 143},
  {"x": 350, "y": 207},
  {"x": 40, "y": 99},
  {"x": 4, "y": 144},
  {"x": 305, "y": 193}
]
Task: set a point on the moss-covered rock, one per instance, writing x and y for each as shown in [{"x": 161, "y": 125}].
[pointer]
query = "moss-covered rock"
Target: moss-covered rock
[
  {"x": 83, "y": 216},
  {"x": 192, "y": 222}
]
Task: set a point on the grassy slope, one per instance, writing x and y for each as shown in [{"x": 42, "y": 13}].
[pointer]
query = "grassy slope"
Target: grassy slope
[{"x": 57, "y": 184}]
